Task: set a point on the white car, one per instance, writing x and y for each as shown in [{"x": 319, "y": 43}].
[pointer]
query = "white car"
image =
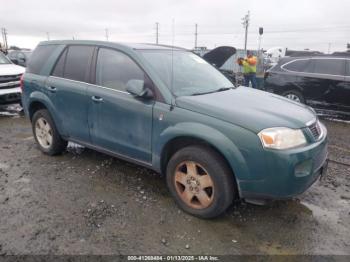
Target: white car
[{"x": 10, "y": 75}]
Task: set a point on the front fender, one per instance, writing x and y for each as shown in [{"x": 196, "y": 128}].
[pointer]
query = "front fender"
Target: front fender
[{"x": 212, "y": 136}]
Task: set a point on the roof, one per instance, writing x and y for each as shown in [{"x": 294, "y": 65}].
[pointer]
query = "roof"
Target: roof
[
  {"x": 135, "y": 46},
  {"x": 290, "y": 58}
]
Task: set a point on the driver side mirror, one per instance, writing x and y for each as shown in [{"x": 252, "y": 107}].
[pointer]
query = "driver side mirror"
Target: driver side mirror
[{"x": 137, "y": 88}]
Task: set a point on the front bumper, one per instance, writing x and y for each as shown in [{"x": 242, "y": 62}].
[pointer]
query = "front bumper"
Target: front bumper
[
  {"x": 289, "y": 173},
  {"x": 10, "y": 95}
]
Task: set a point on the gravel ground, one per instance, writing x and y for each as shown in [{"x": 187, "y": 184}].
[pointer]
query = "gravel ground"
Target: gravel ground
[{"x": 84, "y": 202}]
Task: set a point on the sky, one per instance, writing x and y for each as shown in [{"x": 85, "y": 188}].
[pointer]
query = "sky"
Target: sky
[{"x": 322, "y": 25}]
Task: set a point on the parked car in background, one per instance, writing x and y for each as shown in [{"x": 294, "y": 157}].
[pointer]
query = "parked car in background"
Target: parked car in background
[
  {"x": 169, "y": 110},
  {"x": 322, "y": 82},
  {"x": 10, "y": 75},
  {"x": 20, "y": 57}
]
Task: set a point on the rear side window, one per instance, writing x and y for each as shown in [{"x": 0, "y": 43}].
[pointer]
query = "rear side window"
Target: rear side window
[
  {"x": 115, "y": 69},
  {"x": 330, "y": 66},
  {"x": 78, "y": 62},
  {"x": 59, "y": 67},
  {"x": 302, "y": 65},
  {"x": 39, "y": 58}
]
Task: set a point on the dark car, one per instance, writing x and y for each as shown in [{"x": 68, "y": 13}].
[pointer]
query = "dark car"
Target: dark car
[
  {"x": 169, "y": 110},
  {"x": 19, "y": 57},
  {"x": 322, "y": 82}
]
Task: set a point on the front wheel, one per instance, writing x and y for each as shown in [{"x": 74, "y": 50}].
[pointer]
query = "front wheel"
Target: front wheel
[
  {"x": 200, "y": 181},
  {"x": 294, "y": 95},
  {"x": 46, "y": 134}
]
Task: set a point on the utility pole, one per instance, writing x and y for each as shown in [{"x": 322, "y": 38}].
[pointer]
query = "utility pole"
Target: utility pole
[
  {"x": 4, "y": 38},
  {"x": 245, "y": 23},
  {"x": 329, "y": 48},
  {"x": 157, "y": 32},
  {"x": 195, "y": 36},
  {"x": 261, "y": 31},
  {"x": 107, "y": 34},
  {"x": 48, "y": 36}
]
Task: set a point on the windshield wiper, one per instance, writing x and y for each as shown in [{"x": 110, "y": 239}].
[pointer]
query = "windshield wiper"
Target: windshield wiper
[{"x": 214, "y": 91}]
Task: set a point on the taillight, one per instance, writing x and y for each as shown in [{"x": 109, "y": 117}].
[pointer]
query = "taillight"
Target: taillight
[{"x": 21, "y": 84}]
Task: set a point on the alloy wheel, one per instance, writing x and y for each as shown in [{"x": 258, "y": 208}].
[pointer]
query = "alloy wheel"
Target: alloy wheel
[
  {"x": 43, "y": 132},
  {"x": 293, "y": 97},
  {"x": 194, "y": 185}
]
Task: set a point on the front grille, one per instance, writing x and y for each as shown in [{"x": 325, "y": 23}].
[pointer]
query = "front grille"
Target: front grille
[
  {"x": 315, "y": 130},
  {"x": 9, "y": 81},
  {"x": 6, "y": 79}
]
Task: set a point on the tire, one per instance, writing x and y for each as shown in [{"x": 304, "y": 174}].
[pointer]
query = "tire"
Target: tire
[
  {"x": 294, "y": 95},
  {"x": 46, "y": 134},
  {"x": 192, "y": 195}
]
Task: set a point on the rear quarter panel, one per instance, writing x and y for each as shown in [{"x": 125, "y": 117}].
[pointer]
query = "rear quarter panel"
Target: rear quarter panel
[{"x": 34, "y": 92}]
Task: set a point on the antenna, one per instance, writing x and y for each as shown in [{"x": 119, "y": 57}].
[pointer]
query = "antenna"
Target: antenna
[
  {"x": 195, "y": 36},
  {"x": 172, "y": 56},
  {"x": 157, "y": 32},
  {"x": 106, "y": 34}
]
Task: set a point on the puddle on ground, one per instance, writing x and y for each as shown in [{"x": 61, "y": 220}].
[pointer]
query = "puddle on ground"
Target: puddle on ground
[{"x": 321, "y": 213}]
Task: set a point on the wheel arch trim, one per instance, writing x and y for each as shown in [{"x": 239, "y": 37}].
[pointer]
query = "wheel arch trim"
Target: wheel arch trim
[
  {"x": 39, "y": 97},
  {"x": 200, "y": 132}
]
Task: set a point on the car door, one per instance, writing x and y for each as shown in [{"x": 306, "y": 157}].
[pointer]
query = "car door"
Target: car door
[
  {"x": 67, "y": 88},
  {"x": 328, "y": 78},
  {"x": 304, "y": 81},
  {"x": 343, "y": 91},
  {"x": 119, "y": 122},
  {"x": 318, "y": 81}
]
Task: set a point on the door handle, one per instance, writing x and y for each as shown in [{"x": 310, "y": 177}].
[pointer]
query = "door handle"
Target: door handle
[
  {"x": 52, "y": 89},
  {"x": 97, "y": 99}
]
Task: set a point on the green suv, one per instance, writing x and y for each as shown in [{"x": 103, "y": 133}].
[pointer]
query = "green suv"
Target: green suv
[{"x": 169, "y": 110}]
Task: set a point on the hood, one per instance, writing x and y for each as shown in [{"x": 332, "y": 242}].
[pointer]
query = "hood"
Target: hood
[
  {"x": 11, "y": 69},
  {"x": 219, "y": 55},
  {"x": 250, "y": 108}
]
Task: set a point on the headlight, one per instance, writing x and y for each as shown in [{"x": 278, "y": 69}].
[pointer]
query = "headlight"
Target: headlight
[{"x": 281, "y": 138}]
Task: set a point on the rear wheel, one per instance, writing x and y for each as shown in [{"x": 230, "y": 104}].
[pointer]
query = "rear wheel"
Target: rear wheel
[
  {"x": 46, "y": 134},
  {"x": 294, "y": 95},
  {"x": 200, "y": 181}
]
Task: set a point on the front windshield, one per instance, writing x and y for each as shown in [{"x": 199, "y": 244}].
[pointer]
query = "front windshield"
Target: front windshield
[
  {"x": 185, "y": 73},
  {"x": 4, "y": 59}
]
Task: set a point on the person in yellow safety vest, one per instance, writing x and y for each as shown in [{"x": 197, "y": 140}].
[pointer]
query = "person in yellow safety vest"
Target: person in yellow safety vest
[{"x": 249, "y": 69}]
